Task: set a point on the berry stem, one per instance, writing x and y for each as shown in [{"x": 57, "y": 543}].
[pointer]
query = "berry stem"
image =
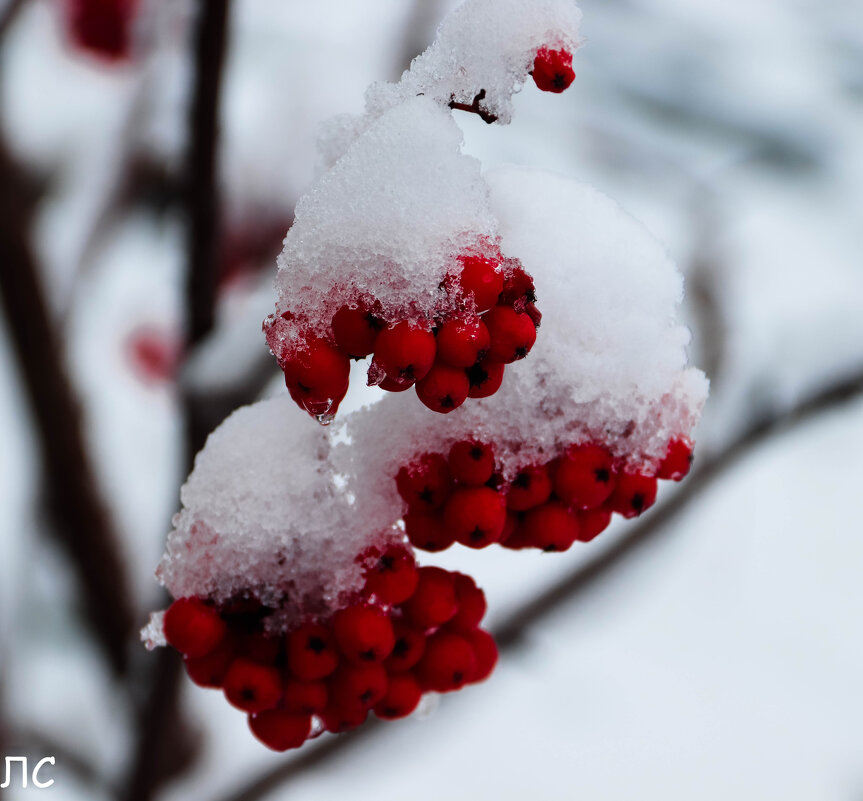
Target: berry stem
[{"x": 474, "y": 108}]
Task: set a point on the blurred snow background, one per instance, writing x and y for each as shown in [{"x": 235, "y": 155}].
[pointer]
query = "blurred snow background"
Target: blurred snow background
[{"x": 725, "y": 659}]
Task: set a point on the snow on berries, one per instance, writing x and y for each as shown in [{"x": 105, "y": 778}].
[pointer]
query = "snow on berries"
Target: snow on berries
[{"x": 302, "y": 615}]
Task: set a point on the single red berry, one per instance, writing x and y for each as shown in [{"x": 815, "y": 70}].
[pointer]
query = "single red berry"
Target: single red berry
[
  {"x": 425, "y": 483},
  {"x": 251, "y": 686},
  {"x": 428, "y": 531},
  {"x": 485, "y": 378},
  {"x": 481, "y": 278},
  {"x": 484, "y": 651},
  {"x": 193, "y": 627},
  {"x": 311, "y": 652},
  {"x": 534, "y": 314},
  {"x": 409, "y": 647},
  {"x": 677, "y": 460},
  {"x": 304, "y": 697},
  {"x": 584, "y": 477},
  {"x": 434, "y": 601},
  {"x": 444, "y": 388},
  {"x": 530, "y": 487},
  {"x": 447, "y": 664},
  {"x": 633, "y": 494},
  {"x": 392, "y": 577},
  {"x": 471, "y": 604},
  {"x": 395, "y": 385},
  {"x": 279, "y": 729},
  {"x": 476, "y": 515},
  {"x": 512, "y": 334},
  {"x": 518, "y": 289},
  {"x": 337, "y": 719},
  {"x": 357, "y": 685},
  {"x": 462, "y": 341},
  {"x": 552, "y": 70},
  {"x": 355, "y": 330},
  {"x": 471, "y": 463},
  {"x": 364, "y": 634},
  {"x": 592, "y": 522},
  {"x": 317, "y": 377},
  {"x": 209, "y": 670},
  {"x": 513, "y": 532},
  {"x": 403, "y": 695},
  {"x": 405, "y": 351},
  {"x": 103, "y": 26},
  {"x": 551, "y": 527}
]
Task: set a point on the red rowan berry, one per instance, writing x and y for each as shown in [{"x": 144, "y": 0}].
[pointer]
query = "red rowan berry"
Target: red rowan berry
[
  {"x": 355, "y": 330},
  {"x": 518, "y": 290},
  {"x": 485, "y": 378},
  {"x": 425, "y": 484},
  {"x": 512, "y": 334},
  {"x": 677, "y": 461},
  {"x": 471, "y": 463},
  {"x": 447, "y": 664},
  {"x": 311, "y": 652},
  {"x": 584, "y": 476},
  {"x": 193, "y": 627},
  {"x": 471, "y": 604},
  {"x": 476, "y": 515},
  {"x": 633, "y": 494},
  {"x": 403, "y": 695},
  {"x": 534, "y": 314},
  {"x": 428, "y": 531},
  {"x": 434, "y": 601},
  {"x": 304, "y": 697},
  {"x": 592, "y": 522},
  {"x": 409, "y": 647},
  {"x": 317, "y": 377},
  {"x": 405, "y": 351},
  {"x": 513, "y": 532},
  {"x": 279, "y": 729},
  {"x": 481, "y": 278},
  {"x": 552, "y": 70},
  {"x": 550, "y": 527},
  {"x": 530, "y": 487},
  {"x": 103, "y": 26},
  {"x": 357, "y": 685},
  {"x": 364, "y": 634},
  {"x": 394, "y": 385},
  {"x": 462, "y": 341},
  {"x": 392, "y": 577},
  {"x": 444, "y": 388},
  {"x": 484, "y": 651},
  {"x": 251, "y": 686},
  {"x": 209, "y": 670},
  {"x": 337, "y": 719}
]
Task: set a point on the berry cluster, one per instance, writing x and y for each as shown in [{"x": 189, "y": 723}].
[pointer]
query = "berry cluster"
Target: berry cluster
[
  {"x": 412, "y": 630},
  {"x": 487, "y": 319},
  {"x": 464, "y": 497}
]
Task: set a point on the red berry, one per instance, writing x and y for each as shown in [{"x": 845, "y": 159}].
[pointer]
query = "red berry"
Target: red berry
[
  {"x": 261, "y": 647},
  {"x": 471, "y": 604},
  {"x": 428, "y": 531},
  {"x": 344, "y": 718},
  {"x": 403, "y": 695},
  {"x": 409, "y": 647},
  {"x": 279, "y": 729},
  {"x": 471, "y": 463},
  {"x": 677, "y": 460},
  {"x": 317, "y": 377},
  {"x": 484, "y": 651},
  {"x": 485, "y": 378},
  {"x": 462, "y": 341},
  {"x": 311, "y": 652},
  {"x": 476, "y": 515},
  {"x": 305, "y": 697},
  {"x": 633, "y": 494},
  {"x": 513, "y": 532},
  {"x": 102, "y": 26},
  {"x": 481, "y": 278},
  {"x": 392, "y": 577},
  {"x": 210, "y": 670},
  {"x": 530, "y": 487},
  {"x": 364, "y": 634},
  {"x": 518, "y": 289},
  {"x": 550, "y": 527},
  {"x": 434, "y": 602},
  {"x": 251, "y": 686},
  {"x": 592, "y": 522},
  {"x": 355, "y": 330},
  {"x": 584, "y": 476},
  {"x": 193, "y": 627},
  {"x": 393, "y": 385},
  {"x": 425, "y": 483},
  {"x": 444, "y": 388},
  {"x": 405, "y": 351},
  {"x": 352, "y": 686},
  {"x": 512, "y": 334},
  {"x": 447, "y": 664},
  {"x": 534, "y": 314},
  {"x": 552, "y": 70}
]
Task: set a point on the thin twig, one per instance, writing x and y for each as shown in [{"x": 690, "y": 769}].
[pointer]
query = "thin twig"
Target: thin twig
[
  {"x": 474, "y": 108},
  {"x": 510, "y": 634}
]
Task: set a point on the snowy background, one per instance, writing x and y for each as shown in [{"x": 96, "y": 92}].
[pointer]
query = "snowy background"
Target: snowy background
[{"x": 723, "y": 658}]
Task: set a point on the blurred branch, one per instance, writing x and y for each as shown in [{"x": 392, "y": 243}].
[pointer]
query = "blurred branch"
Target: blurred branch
[
  {"x": 510, "y": 635},
  {"x": 9, "y": 14},
  {"x": 79, "y": 519}
]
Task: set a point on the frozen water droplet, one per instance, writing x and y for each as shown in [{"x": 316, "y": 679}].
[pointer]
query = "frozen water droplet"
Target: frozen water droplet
[
  {"x": 376, "y": 374},
  {"x": 326, "y": 418}
]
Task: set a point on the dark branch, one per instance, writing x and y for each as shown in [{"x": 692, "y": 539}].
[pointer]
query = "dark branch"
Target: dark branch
[
  {"x": 474, "y": 108},
  {"x": 9, "y": 14}
]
